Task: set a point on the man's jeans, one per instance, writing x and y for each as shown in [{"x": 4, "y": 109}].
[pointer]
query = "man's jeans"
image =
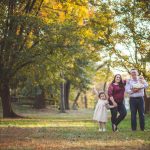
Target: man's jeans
[{"x": 137, "y": 105}]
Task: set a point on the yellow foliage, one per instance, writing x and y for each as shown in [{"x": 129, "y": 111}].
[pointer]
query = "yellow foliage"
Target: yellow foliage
[
  {"x": 82, "y": 42},
  {"x": 62, "y": 17},
  {"x": 89, "y": 33}
]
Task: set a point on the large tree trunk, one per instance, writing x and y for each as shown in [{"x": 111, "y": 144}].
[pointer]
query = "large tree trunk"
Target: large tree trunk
[
  {"x": 75, "y": 104},
  {"x": 66, "y": 94},
  {"x": 6, "y": 101}
]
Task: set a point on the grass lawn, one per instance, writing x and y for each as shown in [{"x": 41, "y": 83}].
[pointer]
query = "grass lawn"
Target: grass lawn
[{"x": 73, "y": 130}]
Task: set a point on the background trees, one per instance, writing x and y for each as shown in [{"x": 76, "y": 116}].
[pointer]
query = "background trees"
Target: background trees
[
  {"x": 133, "y": 34},
  {"x": 51, "y": 48},
  {"x": 46, "y": 38}
]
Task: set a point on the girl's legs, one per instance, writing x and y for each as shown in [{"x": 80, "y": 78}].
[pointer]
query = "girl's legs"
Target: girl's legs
[
  {"x": 104, "y": 129},
  {"x": 100, "y": 126},
  {"x": 104, "y": 126}
]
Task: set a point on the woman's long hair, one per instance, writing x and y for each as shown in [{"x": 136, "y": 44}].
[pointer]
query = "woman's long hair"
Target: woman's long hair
[{"x": 121, "y": 84}]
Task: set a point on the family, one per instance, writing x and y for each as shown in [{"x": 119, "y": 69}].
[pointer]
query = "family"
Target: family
[{"x": 134, "y": 87}]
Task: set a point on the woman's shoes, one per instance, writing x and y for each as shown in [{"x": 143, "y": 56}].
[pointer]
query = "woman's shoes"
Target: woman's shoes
[{"x": 114, "y": 127}]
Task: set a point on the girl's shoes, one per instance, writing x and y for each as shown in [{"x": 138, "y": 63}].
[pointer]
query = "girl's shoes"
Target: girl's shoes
[{"x": 102, "y": 130}]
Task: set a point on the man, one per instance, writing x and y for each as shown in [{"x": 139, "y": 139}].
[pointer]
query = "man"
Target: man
[{"x": 136, "y": 94}]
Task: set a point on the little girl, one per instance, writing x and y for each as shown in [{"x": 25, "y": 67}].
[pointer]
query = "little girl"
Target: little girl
[{"x": 100, "y": 113}]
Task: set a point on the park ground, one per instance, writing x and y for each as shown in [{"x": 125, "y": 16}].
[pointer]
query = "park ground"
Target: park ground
[{"x": 47, "y": 129}]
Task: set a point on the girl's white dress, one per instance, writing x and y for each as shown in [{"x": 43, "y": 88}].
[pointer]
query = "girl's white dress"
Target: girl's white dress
[{"x": 100, "y": 112}]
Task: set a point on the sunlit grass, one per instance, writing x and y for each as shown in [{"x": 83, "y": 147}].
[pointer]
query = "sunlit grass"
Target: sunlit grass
[
  {"x": 65, "y": 120},
  {"x": 45, "y": 123}
]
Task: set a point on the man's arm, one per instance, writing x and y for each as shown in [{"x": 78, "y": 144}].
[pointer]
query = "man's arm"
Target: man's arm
[
  {"x": 130, "y": 90},
  {"x": 145, "y": 84}
]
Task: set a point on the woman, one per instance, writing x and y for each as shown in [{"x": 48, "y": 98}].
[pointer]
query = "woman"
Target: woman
[{"x": 116, "y": 92}]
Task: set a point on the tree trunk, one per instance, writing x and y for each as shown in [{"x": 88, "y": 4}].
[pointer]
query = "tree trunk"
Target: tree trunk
[
  {"x": 40, "y": 99},
  {"x": 85, "y": 100},
  {"x": 107, "y": 75},
  {"x": 6, "y": 101},
  {"x": 62, "y": 103},
  {"x": 52, "y": 101},
  {"x": 66, "y": 94},
  {"x": 75, "y": 104},
  {"x": 104, "y": 87}
]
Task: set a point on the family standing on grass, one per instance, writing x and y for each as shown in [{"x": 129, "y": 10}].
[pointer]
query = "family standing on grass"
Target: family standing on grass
[{"x": 134, "y": 87}]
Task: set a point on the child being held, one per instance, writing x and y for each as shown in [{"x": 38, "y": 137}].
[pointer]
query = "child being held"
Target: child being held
[
  {"x": 100, "y": 112},
  {"x": 139, "y": 84}
]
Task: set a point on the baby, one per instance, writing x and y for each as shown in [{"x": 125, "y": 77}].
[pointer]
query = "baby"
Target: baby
[{"x": 139, "y": 84}]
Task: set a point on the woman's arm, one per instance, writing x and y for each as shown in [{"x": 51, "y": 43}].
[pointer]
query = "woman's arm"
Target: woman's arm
[
  {"x": 110, "y": 94},
  {"x": 124, "y": 82},
  {"x": 112, "y": 106},
  {"x": 109, "y": 106},
  {"x": 128, "y": 88},
  {"x": 113, "y": 101}
]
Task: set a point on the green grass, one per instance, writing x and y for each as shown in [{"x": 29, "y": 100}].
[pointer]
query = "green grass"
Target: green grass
[{"x": 76, "y": 129}]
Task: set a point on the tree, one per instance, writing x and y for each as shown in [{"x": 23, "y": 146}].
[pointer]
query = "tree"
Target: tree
[
  {"x": 25, "y": 33},
  {"x": 133, "y": 35},
  {"x": 18, "y": 48},
  {"x": 53, "y": 34},
  {"x": 66, "y": 93}
]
